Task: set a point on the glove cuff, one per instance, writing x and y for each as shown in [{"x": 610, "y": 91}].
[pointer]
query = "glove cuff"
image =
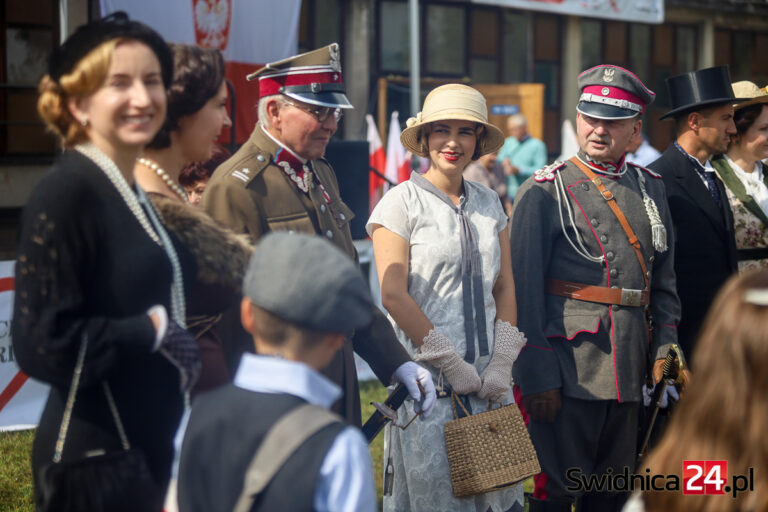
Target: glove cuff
[{"x": 508, "y": 340}]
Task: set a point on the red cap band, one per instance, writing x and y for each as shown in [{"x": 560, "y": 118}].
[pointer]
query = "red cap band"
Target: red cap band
[
  {"x": 614, "y": 93},
  {"x": 270, "y": 84}
]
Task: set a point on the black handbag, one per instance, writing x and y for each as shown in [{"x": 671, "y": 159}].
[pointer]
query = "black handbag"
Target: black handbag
[{"x": 117, "y": 481}]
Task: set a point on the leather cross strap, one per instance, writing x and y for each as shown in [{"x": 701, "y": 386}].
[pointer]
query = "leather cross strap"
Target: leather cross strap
[
  {"x": 611, "y": 201},
  {"x": 601, "y": 294}
]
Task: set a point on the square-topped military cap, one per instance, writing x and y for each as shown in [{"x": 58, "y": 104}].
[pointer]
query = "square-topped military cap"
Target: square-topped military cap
[
  {"x": 313, "y": 77},
  {"x": 309, "y": 282},
  {"x": 612, "y": 92}
]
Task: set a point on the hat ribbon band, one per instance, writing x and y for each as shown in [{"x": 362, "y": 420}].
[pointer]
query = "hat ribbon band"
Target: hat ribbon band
[{"x": 628, "y": 105}]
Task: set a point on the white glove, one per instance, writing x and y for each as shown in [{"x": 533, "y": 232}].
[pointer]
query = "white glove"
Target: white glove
[
  {"x": 410, "y": 374},
  {"x": 438, "y": 351},
  {"x": 670, "y": 391},
  {"x": 497, "y": 376}
]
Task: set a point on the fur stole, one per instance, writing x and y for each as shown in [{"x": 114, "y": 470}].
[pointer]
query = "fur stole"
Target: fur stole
[{"x": 221, "y": 254}]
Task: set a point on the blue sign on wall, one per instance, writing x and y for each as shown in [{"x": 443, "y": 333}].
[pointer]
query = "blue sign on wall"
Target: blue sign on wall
[{"x": 504, "y": 110}]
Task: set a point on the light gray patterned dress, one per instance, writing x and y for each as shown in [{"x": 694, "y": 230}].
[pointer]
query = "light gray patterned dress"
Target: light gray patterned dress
[{"x": 432, "y": 229}]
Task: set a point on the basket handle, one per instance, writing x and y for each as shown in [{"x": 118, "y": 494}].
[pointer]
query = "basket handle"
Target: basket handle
[{"x": 454, "y": 401}]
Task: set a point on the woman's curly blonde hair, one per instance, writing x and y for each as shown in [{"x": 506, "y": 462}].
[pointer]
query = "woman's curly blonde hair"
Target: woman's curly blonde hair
[{"x": 87, "y": 76}]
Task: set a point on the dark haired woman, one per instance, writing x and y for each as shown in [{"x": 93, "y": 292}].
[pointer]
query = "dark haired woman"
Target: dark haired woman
[
  {"x": 97, "y": 274},
  {"x": 443, "y": 259},
  {"x": 745, "y": 175},
  {"x": 197, "y": 113},
  {"x": 195, "y": 176}
]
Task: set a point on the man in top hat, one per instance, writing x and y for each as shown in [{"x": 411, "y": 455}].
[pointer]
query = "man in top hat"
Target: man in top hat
[
  {"x": 705, "y": 250},
  {"x": 592, "y": 244},
  {"x": 279, "y": 181}
]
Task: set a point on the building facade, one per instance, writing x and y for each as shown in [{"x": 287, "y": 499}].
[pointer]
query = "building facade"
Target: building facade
[{"x": 480, "y": 43}]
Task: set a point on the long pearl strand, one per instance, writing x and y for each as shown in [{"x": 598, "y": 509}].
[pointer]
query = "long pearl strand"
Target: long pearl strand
[{"x": 165, "y": 177}]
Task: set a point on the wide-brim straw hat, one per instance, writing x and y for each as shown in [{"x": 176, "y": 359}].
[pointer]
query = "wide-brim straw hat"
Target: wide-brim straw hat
[
  {"x": 452, "y": 102},
  {"x": 747, "y": 89}
]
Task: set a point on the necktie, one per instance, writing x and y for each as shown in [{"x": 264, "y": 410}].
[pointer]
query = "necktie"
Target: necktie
[{"x": 708, "y": 177}]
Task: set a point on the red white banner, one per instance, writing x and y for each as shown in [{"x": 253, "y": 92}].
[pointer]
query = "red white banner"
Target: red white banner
[
  {"x": 377, "y": 160},
  {"x": 248, "y": 32},
  {"x": 21, "y": 399}
]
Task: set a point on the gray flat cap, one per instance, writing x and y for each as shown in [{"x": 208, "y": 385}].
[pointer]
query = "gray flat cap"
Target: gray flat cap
[
  {"x": 612, "y": 92},
  {"x": 309, "y": 282}
]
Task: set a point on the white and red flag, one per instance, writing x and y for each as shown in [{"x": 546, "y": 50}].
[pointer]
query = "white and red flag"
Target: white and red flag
[
  {"x": 398, "y": 159},
  {"x": 249, "y": 33},
  {"x": 376, "y": 160}
]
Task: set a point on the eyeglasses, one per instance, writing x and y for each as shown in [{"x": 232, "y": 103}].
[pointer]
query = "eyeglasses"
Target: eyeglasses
[{"x": 321, "y": 113}]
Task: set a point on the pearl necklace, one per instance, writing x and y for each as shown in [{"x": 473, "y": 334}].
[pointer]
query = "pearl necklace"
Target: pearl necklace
[{"x": 165, "y": 177}]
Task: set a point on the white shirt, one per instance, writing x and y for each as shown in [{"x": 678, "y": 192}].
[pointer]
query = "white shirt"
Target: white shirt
[
  {"x": 753, "y": 183},
  {"x": 345, "y": 482}
]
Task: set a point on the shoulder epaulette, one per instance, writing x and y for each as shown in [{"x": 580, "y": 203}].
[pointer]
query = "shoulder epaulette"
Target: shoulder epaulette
[
  {"x": 248, "y": 168},
  {"x": 547, "y": 173},
  {"x": 648, "y": 171}
]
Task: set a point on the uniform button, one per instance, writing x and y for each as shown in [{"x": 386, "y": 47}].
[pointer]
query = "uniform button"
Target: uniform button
[
  {"x": 342, "y": 217},
  {"x": 603, "y": 238},
  {"x": 614, "y": 272},
  {"x": 329, "y": 233},
  {"x": 594, "y": 222},
  {"x": 260, "y": 158},
  {"x": 615, "y": 307},
  {"x": 585, "y": 186},
  {"x": 652, "y": 258},
  {"x": 648, "y": 274},
  {"x": 609, "y": 255},
  {"x": 322, "y": 208}
]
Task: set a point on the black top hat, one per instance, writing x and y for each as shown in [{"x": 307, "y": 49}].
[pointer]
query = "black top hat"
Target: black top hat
[{"x": 699, "y": 89}]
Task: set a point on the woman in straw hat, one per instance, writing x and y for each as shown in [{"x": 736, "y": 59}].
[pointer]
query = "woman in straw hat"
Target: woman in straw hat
[
  {"x": 443, "y": 259},
  {"x": 745, "y": 175}
]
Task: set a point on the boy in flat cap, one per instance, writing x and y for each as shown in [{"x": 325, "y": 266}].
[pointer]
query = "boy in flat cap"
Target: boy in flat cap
[
  {"x": 705, "y": 248},
  {"x": 279, "y": 181},
  {"x": 592, "y": 247},
  {"x": 302, "y": 297}
]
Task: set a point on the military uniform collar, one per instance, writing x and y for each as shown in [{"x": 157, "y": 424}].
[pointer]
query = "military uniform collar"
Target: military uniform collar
[
  {"x": 277, "y": 145},
  {"x": 609, "y": 169}
]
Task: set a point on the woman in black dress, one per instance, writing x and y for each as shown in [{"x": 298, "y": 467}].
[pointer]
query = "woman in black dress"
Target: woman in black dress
[{"x": 95, "y": 262}]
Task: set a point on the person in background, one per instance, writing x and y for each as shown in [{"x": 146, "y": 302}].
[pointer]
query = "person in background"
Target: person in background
[
  {"x": 442, "y": 255},
  {"x": 302, "y": 295},
  {"x": 592, "y": 255},
  {"x": 487, "y": 171},
  {"x": 195, "y": 176},
  {"x": 521, "y": 154},
  {"x": 279, "y": 181},
  {"x": 640, "y": 151},
  {"x": 197, "y": 113},
  {"x": 723, "y": 417},
  {"x": 97, "y": 271},
  {"x": 743, "y": 172},
  {"x": 705, "y": 249}
]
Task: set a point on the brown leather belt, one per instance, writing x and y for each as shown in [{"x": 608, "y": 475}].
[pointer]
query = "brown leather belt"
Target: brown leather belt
[{"x": 601, "y": 294}]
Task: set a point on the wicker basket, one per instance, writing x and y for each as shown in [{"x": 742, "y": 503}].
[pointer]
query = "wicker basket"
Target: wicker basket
[{"x": 488, "y": 451}]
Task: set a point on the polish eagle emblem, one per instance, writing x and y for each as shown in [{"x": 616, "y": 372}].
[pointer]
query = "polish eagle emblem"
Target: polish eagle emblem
[{"x": 212, "y": 21}]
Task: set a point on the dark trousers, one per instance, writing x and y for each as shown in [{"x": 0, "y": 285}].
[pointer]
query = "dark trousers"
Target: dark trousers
[{"x": 588, "y": 437}]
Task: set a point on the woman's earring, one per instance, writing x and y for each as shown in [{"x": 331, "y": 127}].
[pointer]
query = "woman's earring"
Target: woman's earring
[{"x": 84, "y": 121}]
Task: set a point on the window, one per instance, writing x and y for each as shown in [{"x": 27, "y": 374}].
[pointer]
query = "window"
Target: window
[
  {"x": 30, "y": 33},
  {"x": 516, "y": 47},
  {"x": 484, "y": 46},
  {"x": 319, "y": 24},
  {"x": 444, "y": 41},
  {"x": 395, "y": 37},
  {"x": 591, "y": 43}
]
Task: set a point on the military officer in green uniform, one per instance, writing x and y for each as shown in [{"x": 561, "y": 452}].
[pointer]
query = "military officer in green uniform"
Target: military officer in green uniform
[
  {"x": 279, "y": 181},
  {"x": 592, "y": 253}
]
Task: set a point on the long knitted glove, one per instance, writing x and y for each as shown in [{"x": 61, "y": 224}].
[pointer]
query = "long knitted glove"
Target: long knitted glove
[
  {"x": 438, "y": 351},
  {"x": 180, "y": 348},
  {"x": 497, "y": 376}
]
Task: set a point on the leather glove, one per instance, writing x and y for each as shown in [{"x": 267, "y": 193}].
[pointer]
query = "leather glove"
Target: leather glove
[
  {"x": 543, "y": 407},
  {"x": 497, "y": 376},
  {"x": 438, "y": 351},
  {"x": 411, "y": 375},
  {"x": 180, "y": 348}
]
